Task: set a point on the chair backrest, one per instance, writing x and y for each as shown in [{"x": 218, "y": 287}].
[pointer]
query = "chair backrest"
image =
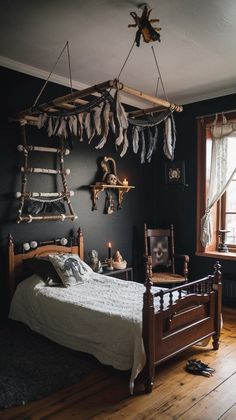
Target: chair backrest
[{"x": 159, "y": 244}]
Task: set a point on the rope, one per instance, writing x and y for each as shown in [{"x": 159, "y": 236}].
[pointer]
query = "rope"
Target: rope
[
  {"x": 46, "y": 82},
  {"x": 69, "y": 65},
  {"x": 158, "y": 69},
  {"x": 122, "y": 68}
]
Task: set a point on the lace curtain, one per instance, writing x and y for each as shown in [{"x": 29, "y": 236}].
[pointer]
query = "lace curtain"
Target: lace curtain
[{"x": 222, "y": 170}]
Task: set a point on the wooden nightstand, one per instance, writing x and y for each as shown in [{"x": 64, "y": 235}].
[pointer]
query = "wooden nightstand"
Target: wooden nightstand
[{"x": 125, "y": 274}]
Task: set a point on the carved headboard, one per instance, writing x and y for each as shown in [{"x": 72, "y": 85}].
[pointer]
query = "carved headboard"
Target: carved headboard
[{"x": 16, "y": 260}]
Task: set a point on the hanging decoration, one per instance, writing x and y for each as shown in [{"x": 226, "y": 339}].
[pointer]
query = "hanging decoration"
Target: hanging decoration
[
  {"x": 144, "y": 24},
  {"x": 97, "y": 120},
  {"x": 43, "y": 205}
]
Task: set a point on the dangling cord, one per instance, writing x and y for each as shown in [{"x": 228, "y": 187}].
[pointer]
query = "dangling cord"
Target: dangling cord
[
  {"x": 122, "y": 68},
  {"x": 158, "y": 69},
  {"x": 45, "y": 84},
  {"x": 157, "y": 86},
  {"x": 69, "y": 65}
]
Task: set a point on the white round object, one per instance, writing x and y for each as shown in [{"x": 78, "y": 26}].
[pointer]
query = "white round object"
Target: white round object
[
  {"x": 26, "y": 246},
  {"x": 63, "y": 241},
  {"x": 33, "y": 244}
]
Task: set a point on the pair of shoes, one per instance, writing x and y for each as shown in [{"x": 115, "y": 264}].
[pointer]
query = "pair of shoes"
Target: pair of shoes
[{"x": 196, "y": 367}]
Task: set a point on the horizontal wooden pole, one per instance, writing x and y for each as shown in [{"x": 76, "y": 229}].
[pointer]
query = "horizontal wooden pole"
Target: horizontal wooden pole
[
  {"x": 44, "y": 171},
  {"x": 31, "y": 148},
  {"x": 71, "y": 97},
  {"x": 149, "y": 98},
  {"x": 61, "y": 217},
  {"x": 45, "y": 194}
]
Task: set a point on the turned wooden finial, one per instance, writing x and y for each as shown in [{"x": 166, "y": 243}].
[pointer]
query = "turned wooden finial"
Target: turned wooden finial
[{"x": 217, "y": 272}]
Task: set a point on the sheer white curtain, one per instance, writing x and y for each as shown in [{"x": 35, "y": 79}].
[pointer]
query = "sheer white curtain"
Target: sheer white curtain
[{"x": 222, "y": 170}]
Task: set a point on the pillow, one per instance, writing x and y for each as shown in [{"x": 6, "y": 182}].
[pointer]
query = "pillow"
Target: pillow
[
  {"x": 43, "y": 267},
  {"x": 71, "y": 269}
]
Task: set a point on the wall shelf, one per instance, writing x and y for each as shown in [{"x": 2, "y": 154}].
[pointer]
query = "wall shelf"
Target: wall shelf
[{"x": 99, "y": 187}]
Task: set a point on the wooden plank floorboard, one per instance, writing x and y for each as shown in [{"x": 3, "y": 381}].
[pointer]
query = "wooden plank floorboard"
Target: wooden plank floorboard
[
  {"x": 230, "y": 414},
  {"x": 215, "y": 404},
  {"x": 104, "y": 395}
]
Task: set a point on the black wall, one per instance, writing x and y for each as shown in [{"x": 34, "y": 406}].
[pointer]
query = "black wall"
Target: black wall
[
  {"x": 151, "y": 201},
  {"x": 124, "y": 228}
]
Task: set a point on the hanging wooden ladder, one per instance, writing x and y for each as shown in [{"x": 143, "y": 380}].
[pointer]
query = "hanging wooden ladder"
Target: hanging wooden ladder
[{"x": 46, "y": 197}]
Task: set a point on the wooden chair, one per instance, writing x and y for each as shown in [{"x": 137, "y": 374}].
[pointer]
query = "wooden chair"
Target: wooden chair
[{"x": 161, "y": 258}]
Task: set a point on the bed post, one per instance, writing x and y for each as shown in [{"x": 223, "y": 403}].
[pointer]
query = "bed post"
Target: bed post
[
  {"x": 148, "y": 329},
  {"x": 217, "y": 287},
  {"x": 11, "y": 267},
  {"x": 80, "y": 243}
]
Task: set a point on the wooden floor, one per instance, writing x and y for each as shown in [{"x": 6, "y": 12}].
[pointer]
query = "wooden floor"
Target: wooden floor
[{"x": 176, "y": 394}]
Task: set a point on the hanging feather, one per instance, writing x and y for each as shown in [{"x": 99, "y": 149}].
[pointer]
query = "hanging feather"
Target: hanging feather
[
  {"x": 97, "y": 120},
  {"x": 92, "y": 126},
  {"x": 105, "y": 125},
  {"x": 87, "y": 125},
  {"x": 57, "y": 123},
  {"x": 169, "y": 138},
  {"x": 62, "y": 131},
  {"x": 112, "y": 123},
  {"x": 152, "y": 143},
  {"x": 173, "y": 128},
  {"x": 135, "y": 133},
  {"x": 126, "y": 143},
  {"x": 120, "y": 138},
  {"x": 142, "y": 141},
  {"x": 42, "y": 120},
  {"x": 50, "y": 127},
  {"x": 80, "y": 118},
  {"x": 72, "y": 123},
  {"x": 120, "y": 112}
]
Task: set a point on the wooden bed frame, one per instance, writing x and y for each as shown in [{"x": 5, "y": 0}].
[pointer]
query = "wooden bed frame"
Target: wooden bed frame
[{"x": 195, "y": 316}]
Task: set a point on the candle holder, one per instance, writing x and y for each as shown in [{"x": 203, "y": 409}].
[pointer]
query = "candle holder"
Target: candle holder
[
  {"x": 109, "y": 266},
  {"x": 222, "y": 247}
]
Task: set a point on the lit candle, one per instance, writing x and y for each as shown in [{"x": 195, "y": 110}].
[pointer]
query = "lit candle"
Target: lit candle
[
  {"x": 109, "y": 250},
  {"x": 125, "y": 182}
]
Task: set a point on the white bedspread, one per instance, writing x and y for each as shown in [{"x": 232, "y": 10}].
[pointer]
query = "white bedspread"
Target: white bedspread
[{"x": 102, "y": 316}]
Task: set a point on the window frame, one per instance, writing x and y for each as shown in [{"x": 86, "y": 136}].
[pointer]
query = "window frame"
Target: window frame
[{"x": 219, "y": 208}]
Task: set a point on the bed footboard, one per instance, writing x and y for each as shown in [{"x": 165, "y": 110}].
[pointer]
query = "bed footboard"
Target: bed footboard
[{"x": 178, "y": 318}]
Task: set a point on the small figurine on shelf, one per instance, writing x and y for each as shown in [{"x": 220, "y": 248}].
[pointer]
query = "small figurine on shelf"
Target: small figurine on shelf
[
  {"x": 94, "y": 262},
  {"x": 118, "y": 262}
]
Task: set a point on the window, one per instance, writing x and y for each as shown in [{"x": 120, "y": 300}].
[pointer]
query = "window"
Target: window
[
  {"x": 228, "y": 212},
  {"x": 223, "y": 212}
]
